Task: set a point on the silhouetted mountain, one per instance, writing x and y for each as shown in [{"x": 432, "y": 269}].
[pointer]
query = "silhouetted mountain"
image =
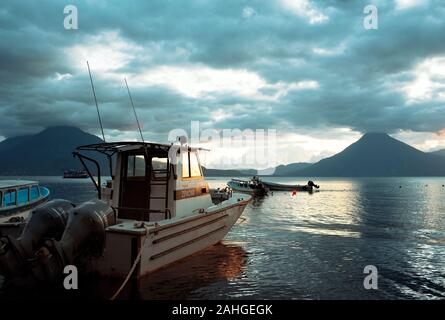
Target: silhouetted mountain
[
  {"x": 285, "y": 170},
  {"x": 281, "y": 170},
  {"x": 228, "y": 172},
  {"x": 48, "y": 152},
  {"x": 440, "y": 152},
  {"x": 377, "y": 154}
]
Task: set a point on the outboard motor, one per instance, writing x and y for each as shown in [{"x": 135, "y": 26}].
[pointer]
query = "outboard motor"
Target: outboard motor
[
  {"x": 312, "y": 184},
  {"x": 84, "y": 237},
  {"x": 46, "y": 221}
]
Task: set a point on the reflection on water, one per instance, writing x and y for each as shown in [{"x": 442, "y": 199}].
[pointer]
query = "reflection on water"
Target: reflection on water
[
  {"x": 213, "y": 267},
  {"x": 308, "y": 246}
]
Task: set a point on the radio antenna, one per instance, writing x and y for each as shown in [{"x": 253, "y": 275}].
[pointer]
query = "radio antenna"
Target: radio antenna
[
  {"x": 134, "y": 110},
  {"x": 95, "y": 101}
]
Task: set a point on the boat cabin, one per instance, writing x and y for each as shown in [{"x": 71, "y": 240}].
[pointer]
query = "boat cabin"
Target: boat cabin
[
  {"x": 19, "y": 195},
  {"x": 150, "y": 182}
]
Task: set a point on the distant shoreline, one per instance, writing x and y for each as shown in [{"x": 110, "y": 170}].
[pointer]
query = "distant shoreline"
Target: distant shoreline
[{"x": 227, "y": 176}]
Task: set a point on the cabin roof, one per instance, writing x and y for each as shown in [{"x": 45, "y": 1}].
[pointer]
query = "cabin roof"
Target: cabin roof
[
  {"x": 120, "y": 146},
  {"x": 5, "y": 184},
  {"x": 112, "y": 147}
]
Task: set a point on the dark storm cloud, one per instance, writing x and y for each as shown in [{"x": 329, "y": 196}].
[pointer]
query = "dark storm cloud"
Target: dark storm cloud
[{"x": 359, "y": 73}]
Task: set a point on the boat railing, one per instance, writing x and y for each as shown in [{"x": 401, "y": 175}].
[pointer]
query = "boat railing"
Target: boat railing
[
  {"x": 97, "y": 184},
  {"x": 142, "y": 212}
]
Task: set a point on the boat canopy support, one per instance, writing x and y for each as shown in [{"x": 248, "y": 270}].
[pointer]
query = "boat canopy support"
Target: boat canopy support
[{"x": 97, "y": 184}]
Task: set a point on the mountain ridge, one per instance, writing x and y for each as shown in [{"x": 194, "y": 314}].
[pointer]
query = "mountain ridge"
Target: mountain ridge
[
  {"x": 374, "y": 155},
  {"x": 440, "y": 152},
  {"x": 49, "y": 152}
]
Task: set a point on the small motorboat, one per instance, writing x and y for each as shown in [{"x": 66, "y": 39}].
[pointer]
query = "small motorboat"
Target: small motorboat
[
  {"x": 17, "y": 199},
  {"x": 309, "y": 187},
  {"x": 252, "y": 186},
  {"x": 75, "y": 174},
  {"x": 156, "y": 210},
  {"x": 219, "y": 195}
]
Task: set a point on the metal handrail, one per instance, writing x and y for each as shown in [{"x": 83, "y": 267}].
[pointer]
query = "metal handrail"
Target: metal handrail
[
  {"x": 96, "y": 184},
  {"x": 167, "y": 211}
]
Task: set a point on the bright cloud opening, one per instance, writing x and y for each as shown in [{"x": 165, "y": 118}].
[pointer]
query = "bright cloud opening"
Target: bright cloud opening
[
  {"x": 248, "y": 12},
  {"x": 196, "y": 81},
  {"x": 288, "y": 148},
  {"x": 424, "y": 141},
  {"x": 407, "y": 4},
  {"x": 429, "y": 82},
  {"x": 201, "y": 81},
  {"x": 305, "y": 9},
  {"x": 106, "y": 52}
]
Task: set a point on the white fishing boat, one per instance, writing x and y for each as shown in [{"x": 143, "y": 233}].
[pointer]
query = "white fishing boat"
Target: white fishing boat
[{"x": 157, "y": 209}]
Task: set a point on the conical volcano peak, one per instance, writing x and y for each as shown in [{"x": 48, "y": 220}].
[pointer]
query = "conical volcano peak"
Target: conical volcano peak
[
  {"x": 377, "y": 154},
  {"x": 376, "y": 138},
  {"x": 376, "y": 135}
]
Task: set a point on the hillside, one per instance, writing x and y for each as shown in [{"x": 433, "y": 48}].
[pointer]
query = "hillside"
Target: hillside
[
  {"x": 377, "y": 154},
  {"x": 48, "y": 152},
  {"x": 440, "y": 152}
]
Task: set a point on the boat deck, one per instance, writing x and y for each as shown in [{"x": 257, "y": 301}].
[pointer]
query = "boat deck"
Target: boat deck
[{"x": 130, "y": 226}]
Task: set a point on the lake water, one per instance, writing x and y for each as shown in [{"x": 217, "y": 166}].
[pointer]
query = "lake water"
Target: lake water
[{"x": 307, "y": 246}]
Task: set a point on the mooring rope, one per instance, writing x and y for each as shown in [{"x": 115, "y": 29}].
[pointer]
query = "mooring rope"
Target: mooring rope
[{"x": 135, "y": 263}]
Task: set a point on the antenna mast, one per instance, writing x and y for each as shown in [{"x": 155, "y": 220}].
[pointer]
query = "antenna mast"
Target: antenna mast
[
  {"x": 95, "y": 100},
  {"x": 134, "y": 110}
]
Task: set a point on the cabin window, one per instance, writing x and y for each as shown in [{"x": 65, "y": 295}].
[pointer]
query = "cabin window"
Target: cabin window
[
  {"x": 23, "y": 196},
  {"x": 136, "y": 166},
  {"x": 190, "y": 165},
  {"x": 34, "y": 193},
  {"x": 185, "y": 165},
  {"x": 195, "y": 169},
  {"x": 9, "y": 198},
  {"x": 159, "y": 166}
]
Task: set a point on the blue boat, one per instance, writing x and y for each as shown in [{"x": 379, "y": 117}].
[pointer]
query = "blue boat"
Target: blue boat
[{"x": 19, "y": 197}]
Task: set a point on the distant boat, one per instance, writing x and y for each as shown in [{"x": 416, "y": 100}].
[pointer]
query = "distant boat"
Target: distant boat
[
  {"x": 17, "y": 199},
  {"x": 252, "y": 186},
  {"x": 287, "y": 187},
  {"x": 75, "y": 174}
]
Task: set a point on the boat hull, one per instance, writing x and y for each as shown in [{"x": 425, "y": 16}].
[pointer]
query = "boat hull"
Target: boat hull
[
  {"x": 236, "y": 187},
  {"x": 165, "y": 244},
  {"x": 283, "y": 187},
  {"x": 13, "y": 220},
  {"x": 6, "y": 213}
]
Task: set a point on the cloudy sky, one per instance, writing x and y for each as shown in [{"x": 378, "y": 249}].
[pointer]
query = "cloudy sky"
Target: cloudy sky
[{"x": 308, "y": 69}]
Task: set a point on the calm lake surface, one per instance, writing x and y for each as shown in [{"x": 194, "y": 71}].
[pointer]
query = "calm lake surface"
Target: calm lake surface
[{"x": 308, "y": 246}]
